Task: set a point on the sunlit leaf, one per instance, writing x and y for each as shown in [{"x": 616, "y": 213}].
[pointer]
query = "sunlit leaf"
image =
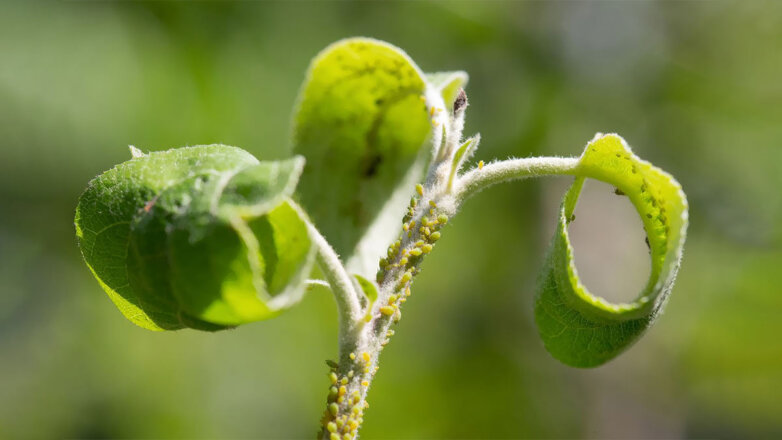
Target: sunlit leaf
[
  {"x": 361, "y": 123},
  {"x": 580, "y": 328},
  {"x": 201, "y": 237}
]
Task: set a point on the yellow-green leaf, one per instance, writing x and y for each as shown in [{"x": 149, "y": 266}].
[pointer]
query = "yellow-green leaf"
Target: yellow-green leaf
[
  {"x": 361, "y": 122},
  {"x": 578, "y": 327}
]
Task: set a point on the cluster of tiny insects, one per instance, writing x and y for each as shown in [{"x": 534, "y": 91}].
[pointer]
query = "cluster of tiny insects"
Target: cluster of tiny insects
[
  {"x": 344, "y": 412},
  {"x": 343, "y": 425},
  {"x": 421, "y": 228}
]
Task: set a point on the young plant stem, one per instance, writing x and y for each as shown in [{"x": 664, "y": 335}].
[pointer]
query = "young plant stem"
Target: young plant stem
[{"x": 363, "y": 339}]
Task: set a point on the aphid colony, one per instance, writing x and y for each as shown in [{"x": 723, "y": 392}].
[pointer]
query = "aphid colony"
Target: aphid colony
[
  {"x": 344, "y": 413},
  {"x": 344, "y": 425}
]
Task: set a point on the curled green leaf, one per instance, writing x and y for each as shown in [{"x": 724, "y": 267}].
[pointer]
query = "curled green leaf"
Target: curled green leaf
[
  {"x": 578, "y": 327},
  {"x": 202, "y": 237},
  {"x": 361, "y": 121}
]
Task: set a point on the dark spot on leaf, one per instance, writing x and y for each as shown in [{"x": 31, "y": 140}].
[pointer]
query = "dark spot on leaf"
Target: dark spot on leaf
[
  {"x": 618, "y": 192},
  {"x": 370, "y": 165}
]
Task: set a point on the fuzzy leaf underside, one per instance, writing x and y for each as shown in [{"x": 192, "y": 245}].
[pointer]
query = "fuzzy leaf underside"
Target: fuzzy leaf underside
[
  {"x": 361, "y": 122},
  {"x": 200, "y": 237},
  {"x": 579, "y": 328}
]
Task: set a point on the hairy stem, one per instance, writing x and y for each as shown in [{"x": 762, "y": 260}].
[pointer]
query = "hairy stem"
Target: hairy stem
[
  {"x": 511, "y": 169},
  {"x": 367, "y": 332},
  {"x": 341, "y": 285}
]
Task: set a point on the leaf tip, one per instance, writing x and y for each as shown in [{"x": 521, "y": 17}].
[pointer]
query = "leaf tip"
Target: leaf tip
[{"x": 135, "y": 152}]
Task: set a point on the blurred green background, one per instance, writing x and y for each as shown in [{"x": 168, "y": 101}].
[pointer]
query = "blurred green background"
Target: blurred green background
[{"x": 695, "y": 87}]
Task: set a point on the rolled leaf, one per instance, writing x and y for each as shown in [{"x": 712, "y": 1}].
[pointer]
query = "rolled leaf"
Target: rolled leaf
[
  {"x": 580, "y": 328},
  {"x": 202, "y": 237}
]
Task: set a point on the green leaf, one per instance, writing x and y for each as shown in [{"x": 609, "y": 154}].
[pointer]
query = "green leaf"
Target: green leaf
[
  {"x": 361, "y": 121},
  {"x": 202, "y": 237},
  {"x": 584, "y": 330},
  {"x": 369, "y": 288},
  {"x": 462, "y": 154}
]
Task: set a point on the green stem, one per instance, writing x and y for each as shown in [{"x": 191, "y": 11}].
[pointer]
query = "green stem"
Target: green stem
[{"x": 512, "y": 169}]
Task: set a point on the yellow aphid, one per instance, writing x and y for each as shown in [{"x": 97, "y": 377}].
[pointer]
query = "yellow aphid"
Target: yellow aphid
[
  {"x": 433, "y": 204},
  {"x": 435, "y": 236},
  {"x": 406, "y": 227},
  {"x": 334, "y": 436},
  {"x": 331, "y": 427},
  {"x": 333, "y": 409},
  {"x": 431, "y": 111},
  {"x": 425, "y": 231},
  {"x": 403, "y": 261},
  {"x": 352, "y": 356},
  {"x": 407, "y": 276},
  {"x": 442, "y": 219},
  {"x": 344, "y": 381},
  {"x": 435, "y": 123},
  {"x": 350, "y": 373},
  {"x": 419, "y": 243},
  {"x": 365, "y": 356},
  {"x": 419, "y": 189},
  {"x": 364, "y": 383},
  {"x": 426, "y": 248},
  {"x": 407, "y": 291},
  {"x": 387, "y": 310},
  {"x": 392, "y": 299},
  {"x": 333, "y": 377},
  {"x": 480, "y": 165},
  {"x": 431, "y": 211},
  {"x": 416, "y": 252},
  {"x": 342, "y": 390}
]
